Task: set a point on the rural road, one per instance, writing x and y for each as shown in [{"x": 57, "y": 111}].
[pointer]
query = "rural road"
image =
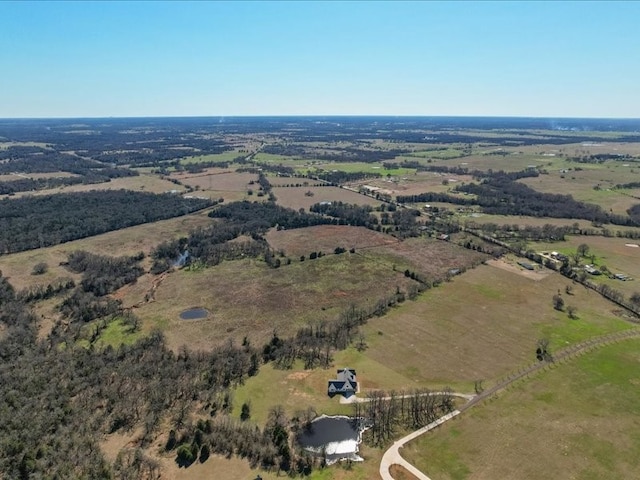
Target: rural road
[{"x": 392, "y": 455}]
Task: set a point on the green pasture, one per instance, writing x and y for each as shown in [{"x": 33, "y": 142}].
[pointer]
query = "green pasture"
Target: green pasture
[{"x": 580, "y": 417}]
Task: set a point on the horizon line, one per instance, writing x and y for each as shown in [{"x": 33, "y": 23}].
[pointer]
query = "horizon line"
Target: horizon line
[{"x": 100, "y": 117}]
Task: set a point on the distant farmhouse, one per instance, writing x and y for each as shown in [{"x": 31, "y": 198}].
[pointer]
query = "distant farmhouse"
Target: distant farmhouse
[{"x": 345, "y": 384}]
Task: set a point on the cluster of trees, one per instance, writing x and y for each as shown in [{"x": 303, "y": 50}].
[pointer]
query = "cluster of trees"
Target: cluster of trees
[
  {"x": 349, "y": 214},
  {"x": 414, "y": 409},
  {"x": 40, "y": 221},
  {"x": 53, "y": 429},
  {"x": 503, "y": 196},
  {"x": 264, "y": 215},
  {"x": 50, "y": 161},
  {"x": 315, "y": 343},
  {"x": 212, "y": 245},
  {"x": 341, "y": 154},
  {"x": 272, "y": 448},
  {"x": 339, "y": 177},
  {"x": 547, "y": 232},
  {"x": 506, "y": 197},
  {"x": 103, "y": 274},
  {"x": 38, "y": 292}
]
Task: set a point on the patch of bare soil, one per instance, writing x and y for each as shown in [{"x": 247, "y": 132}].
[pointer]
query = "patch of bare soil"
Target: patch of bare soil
[{"x": 536, "y": 275}]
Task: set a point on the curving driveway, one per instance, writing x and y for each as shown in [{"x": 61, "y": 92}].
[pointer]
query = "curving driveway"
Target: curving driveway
[{"x": 392, "y": 455}]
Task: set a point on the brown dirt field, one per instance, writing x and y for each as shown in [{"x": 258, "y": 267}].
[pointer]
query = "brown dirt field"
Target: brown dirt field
[
  {"x": 294, "y": 197},
  {"x": 225, "y": 181},
  {"x": 325, "y": 238},
  {"x": 482, "y": 325},
  {"x": 432, "y": 258},
  {"x": 511, "y": 266}
]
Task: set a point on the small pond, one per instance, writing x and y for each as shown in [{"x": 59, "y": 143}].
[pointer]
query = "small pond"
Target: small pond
[
  {"x": 337, "y": 437},
  {"x": 196, "y": 313}
]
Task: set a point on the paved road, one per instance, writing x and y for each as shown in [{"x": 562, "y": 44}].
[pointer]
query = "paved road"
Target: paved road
[{"x": 392, "y": 455}]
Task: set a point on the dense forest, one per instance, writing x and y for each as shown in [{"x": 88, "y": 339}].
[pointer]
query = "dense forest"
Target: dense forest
[
  {"x": 40, "y": 221},
  {"x": 501, "y": 195}
]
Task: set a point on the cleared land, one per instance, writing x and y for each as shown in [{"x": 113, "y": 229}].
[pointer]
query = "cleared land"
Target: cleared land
[
  {"x": 482, "y": 325},
  {"x": 247, "y": 298},
  {"x": 611, "y": 252},
  {"x": 304, "y": 182},
  {"x": 325, "y": 238},
  {"x": 219, "y": 180},
  {"x": 128, "y": 241},
  {"x": 591, "y": 184},
  {"x": 414, "y": 184},
  {"x": 429, "y": 257},
  {"x": 296, "y": 197},
  {"x": 143, "y": 182},
  {"x": 581, "y": 418},
  {"x": 17, "y": 176}
]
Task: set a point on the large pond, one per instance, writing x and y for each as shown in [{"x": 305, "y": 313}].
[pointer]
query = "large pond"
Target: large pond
[
  {"x": 336, "y": 438},
  {"x": 194, "y": 314}
]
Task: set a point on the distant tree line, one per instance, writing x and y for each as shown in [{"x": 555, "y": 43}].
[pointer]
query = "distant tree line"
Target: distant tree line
[
  {"x": 211, "y": 245},
  {"x": 40, "y": 221},
  {"x": 502, "y": 196},
  {"x": 343, "y": 154}
]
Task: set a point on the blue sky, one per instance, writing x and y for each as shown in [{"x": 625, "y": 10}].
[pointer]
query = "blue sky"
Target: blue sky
[{"x": 542, "y": 58}]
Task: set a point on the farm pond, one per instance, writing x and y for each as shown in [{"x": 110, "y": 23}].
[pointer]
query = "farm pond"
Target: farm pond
[
  {"x": 196, "y": 313},
  {"x": 335, "y": 437}
]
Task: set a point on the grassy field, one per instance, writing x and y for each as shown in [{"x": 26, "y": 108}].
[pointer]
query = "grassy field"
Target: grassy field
[
  {"x": 612, "y": 252},
  {"x": 439, "y": 154},
  {"x": 143, "y": 182},
  {"x": 296, "y": 197},
  {"x": 228, "y": 156},
  {"x": 415, "y": 184},
  {"x": 429, "y": 257},
  {"x": 220, "y": 180},
  {"x": 581, "y": 418},
  {"x": 128, "y": 241},
  {"x": 304, "y": 182},
  {"x": 580, "y": 184},
  {"x": 482, "y": 325},
  {"x": 325, "y": 238},
  {"x": 247, "y": 298},
  {"x": 17, "y": 176},
  {"x": 375, "y": 167}
]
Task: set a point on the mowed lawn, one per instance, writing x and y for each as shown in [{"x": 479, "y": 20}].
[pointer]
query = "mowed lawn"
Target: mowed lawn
[
  {"x": 297, "y": 197},
  {"x": 248, "y": 298},
  {"x": 482, "y": 325},
  {"x": 579, "y": 420}
]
